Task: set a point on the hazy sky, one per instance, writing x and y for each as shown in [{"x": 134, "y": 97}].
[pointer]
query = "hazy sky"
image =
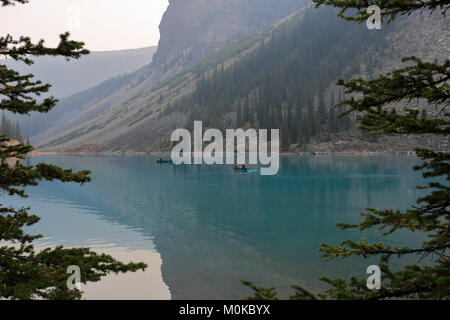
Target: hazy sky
[{"x": 101, "y": 24}]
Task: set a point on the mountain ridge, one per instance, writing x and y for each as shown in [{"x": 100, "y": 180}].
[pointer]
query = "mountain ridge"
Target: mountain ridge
[
  {"x": 172, "y": 84},
  {"x": 144, "y": 123},
  {"x": 166, "y": 65},
  {"x": 70, "y": 77}
]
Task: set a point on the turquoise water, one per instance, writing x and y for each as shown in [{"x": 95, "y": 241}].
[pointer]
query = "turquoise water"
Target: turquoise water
[{"x": 213, "y": 227}]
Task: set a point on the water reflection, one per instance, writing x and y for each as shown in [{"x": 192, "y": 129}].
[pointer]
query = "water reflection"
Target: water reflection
[{"x": 213, "y": 227}]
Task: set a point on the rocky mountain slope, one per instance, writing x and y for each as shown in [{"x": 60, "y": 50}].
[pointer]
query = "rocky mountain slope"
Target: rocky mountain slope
[
  {"x": 70, "y": 77},
  {"x": 144, "y": 122},
  {"x": 94, "y": 76},
  {"x": 190, "y": 31}
]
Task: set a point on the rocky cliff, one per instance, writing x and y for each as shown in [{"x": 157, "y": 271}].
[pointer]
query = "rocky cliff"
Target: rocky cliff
[{"x": 191, "y": 30}]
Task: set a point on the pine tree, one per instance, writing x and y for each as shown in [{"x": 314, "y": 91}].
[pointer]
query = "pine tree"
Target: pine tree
[
  {"x": 24, "y": 272},
  {"x": 322, "y": 113},
  {"x": 18, "y": 135},
  {"x": 12, "y": 130},
  {"x": 332, "y": 123},
  {"x": 332, "y": 115},
  {"x": 281, "y": 70},
  {"x": 239, "y": 116},
  {"x": 376, "y": 105},
  {"x": 3, "y": 125},
  {"x": 389, "y": 9}
]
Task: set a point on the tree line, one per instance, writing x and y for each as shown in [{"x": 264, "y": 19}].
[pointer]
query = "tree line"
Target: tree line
[
  {"x": 282, "y": 84},
  {"x": 11, "y": 130}
]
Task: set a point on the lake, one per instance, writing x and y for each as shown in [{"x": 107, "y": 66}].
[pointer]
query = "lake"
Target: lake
[{"x": 203, "y": 228}]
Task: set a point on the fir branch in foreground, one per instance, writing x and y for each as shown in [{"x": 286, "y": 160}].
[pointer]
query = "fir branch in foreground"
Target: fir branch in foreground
[
  {"x": 5, "y": 3},
  {"x": 376, "y": 99},
  {"x": 375, "y": 103},
  {"x": 19, "y": 93},
  {"x": 22, "y": 48},
  {"x": 26, "y": 272},
  {"x": 389, "y": 8}
]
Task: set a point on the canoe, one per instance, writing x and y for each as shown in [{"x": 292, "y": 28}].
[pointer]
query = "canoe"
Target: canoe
[
  {"x": 241, "y": 169},
  {"x": 163, "y": 161}
]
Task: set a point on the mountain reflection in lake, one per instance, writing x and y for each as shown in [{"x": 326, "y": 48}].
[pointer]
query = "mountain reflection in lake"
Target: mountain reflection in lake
[{"x": 204, "y": 228}]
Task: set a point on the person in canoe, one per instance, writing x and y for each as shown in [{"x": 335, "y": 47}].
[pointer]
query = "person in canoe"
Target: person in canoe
[
  {"x": 161, "y": 161},
  {"x": 240, "y": 167}
]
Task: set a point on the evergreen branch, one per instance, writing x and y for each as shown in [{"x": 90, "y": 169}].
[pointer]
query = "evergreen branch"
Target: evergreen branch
[
  {"x": 301, "y": 294},
  {"x": 411, "y": 282},
  {"x": 12, "y": 222},
  {"x": 20, "y": 49},
  {"x": 5, "y": 3},
  {"x": 375, "y": 99},
  {"x": 24, "y": 272},
  {"x": 19, "y": 175},
  {"x": 438, "y": 166},
  {"x": 389, "y": 8},
  {"x": 261, "y": 293},
  {"x": 423, "y": 80},
  {"x": 19, "y": 91},
  {"x": 349, "y": 248}
]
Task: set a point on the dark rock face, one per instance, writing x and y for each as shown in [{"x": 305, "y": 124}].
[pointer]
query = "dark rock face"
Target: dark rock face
[{"x": 192, "y": 29}]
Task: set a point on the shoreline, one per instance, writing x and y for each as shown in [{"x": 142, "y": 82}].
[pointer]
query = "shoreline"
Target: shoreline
[{"x": 38, "y": 153}]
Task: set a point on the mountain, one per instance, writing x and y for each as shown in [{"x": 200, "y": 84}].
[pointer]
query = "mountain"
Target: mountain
[
  {"x": 281, "y": 77},
  {"x": 94, "y": 76},
  {"x": 69, "y": 111},
  {"x": 190, "y": 31},
  {"x": 70, "y": 77}
]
